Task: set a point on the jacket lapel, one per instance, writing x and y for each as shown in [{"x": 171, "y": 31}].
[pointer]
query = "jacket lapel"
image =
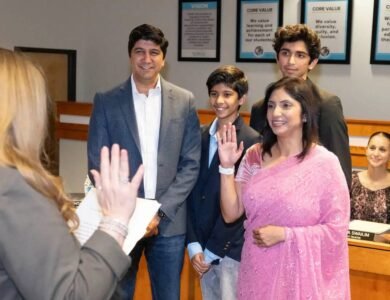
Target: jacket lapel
[
  {"x": 166, "y": 109},
  {"x": 126, "y": 103}
]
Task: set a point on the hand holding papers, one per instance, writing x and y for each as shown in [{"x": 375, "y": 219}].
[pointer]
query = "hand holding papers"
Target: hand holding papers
[{"x": 90, "y": 214}]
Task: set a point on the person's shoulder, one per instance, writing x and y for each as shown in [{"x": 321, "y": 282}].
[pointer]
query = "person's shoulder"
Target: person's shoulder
[
  {"x": 175, "y": 88},
  {"x": 13, "y": 184},
  {"x": 117, "y": 89},
  {"x": 326, "y": 97},
  {"x": 258, "y": 104},
  {"x": 9, "y": 177},
  {"x": 249, "y": 133},
  {"x": 324, "y": 156},
  {"x": 254, "y": 151}
]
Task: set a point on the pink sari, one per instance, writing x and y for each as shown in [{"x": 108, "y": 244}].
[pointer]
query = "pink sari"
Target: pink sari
[{"x": 310, "y": 199}]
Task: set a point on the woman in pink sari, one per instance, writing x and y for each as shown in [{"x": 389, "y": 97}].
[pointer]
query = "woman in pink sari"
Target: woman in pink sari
[{"x": 296, "y": 202}]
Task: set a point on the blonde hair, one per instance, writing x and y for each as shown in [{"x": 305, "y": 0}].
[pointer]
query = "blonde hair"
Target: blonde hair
[{"x": 24, "y": 111}]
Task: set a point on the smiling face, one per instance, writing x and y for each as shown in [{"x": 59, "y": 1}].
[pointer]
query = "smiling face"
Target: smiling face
[
  {"x": 225, "y": 103},
  {"x": 378, "y": 151},
  {"x": 146, "y": 60},
  {"x": 294, "y": 60},
  {"x": 284, "y": 115}
]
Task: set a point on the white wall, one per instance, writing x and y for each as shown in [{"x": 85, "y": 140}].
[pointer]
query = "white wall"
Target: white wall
[{"x": 99, "y": 29}]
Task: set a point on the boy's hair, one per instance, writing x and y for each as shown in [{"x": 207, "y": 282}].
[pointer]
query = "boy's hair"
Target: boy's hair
[
  {"x": 148, "y": 33},
  {"x": 231, "y": 76},
  {"x": 298, "y": 32}
]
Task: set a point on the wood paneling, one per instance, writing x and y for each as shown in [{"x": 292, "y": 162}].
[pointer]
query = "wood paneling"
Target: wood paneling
[
  {"x": 369, "y": 265},
  {"x": 358, "y": 128},
  {"x": 189, "y": 286}
]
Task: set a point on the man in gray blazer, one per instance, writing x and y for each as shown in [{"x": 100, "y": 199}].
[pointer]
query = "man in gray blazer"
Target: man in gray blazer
[
  {"x": 157, "y": 123},
  {"x": 297, "y": 50}
]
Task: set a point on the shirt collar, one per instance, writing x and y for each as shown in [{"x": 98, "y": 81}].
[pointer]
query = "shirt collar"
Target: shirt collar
[
  {"x": 213, "y": 128},
  {"x": 156, "y": 89}
]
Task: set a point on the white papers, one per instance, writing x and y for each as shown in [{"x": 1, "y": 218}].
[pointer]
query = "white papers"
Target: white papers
[
  {"x": 90, "y": 214},
  {"x": 367, "y": 226}
]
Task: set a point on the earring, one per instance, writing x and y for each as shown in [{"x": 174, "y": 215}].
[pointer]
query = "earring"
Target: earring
[{"x": 304, "y": 120}]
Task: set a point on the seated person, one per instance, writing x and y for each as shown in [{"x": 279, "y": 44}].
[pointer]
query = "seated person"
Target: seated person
[{"x": 370, "y": 192}]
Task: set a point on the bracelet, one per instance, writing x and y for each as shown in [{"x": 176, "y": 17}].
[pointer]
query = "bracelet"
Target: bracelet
[
  {"x": 112, "y": 224},
  {"x": 226, "y": 171}
]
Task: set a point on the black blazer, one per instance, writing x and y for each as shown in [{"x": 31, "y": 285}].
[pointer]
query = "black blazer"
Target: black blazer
[
  {"x": 204, "y": 220},
  {"x": 332, "y": 129}
]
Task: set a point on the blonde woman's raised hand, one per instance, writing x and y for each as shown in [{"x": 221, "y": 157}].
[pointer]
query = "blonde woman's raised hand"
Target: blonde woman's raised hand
[
  {"x": 116, "y": 193},
  {"x": 228, "y": 150}
]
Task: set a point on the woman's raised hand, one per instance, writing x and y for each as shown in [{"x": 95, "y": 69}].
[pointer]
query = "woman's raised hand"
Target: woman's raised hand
[
  {"x": 228, "y": 150},
  {"x": 116, "y": 193}
]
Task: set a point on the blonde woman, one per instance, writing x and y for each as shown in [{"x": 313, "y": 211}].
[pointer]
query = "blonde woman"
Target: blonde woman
[{"x": 39, "y": 256}]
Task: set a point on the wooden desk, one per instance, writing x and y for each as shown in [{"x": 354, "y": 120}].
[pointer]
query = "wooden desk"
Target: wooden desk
[{"x": 369, "y": 266}]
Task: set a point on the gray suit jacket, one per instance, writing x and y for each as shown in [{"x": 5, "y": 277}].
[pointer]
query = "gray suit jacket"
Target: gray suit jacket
[
  {"x": 113, "y": 120},
  {"x": 40, "y": 259}
]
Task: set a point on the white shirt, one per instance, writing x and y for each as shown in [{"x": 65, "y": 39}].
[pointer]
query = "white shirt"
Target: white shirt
[
  {"x": 213, "y": 146},
  {"x": 148, "y": 115}
]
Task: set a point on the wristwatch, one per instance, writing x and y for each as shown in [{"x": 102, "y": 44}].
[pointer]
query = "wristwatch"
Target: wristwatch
[{"x": 160, "y": 213}]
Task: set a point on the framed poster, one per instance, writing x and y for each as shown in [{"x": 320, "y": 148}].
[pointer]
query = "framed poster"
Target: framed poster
[
  {"x": 332, "y": 20},
  {"x": 380, "y": 40},
  {"x": 59, "y": 66},
  {"x": 199, "y": 30},
  {"x": 257, "y": 22}
]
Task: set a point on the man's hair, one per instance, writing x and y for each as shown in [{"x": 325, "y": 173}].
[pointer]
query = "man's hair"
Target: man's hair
[
  {"x": 298, "y": 32},
  {"x": 231, "y": 76},
  {"x": 148, "y": 33},
  {"x": 299, "y": 90}
]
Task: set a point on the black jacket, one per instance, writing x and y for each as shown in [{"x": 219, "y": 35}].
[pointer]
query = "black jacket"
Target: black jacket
[{"x": 204, "y": 220}]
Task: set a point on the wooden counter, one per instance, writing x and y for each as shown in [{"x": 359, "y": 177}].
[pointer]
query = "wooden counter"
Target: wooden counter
[
  {"x": 369, "y": 274},
  {"x": 369, "y": 265}
]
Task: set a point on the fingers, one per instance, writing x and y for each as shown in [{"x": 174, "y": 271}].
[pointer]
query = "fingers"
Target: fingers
[
  {"x": 104, "y": 167},
  {"x": 124, "y": 166},
  {"x": 139, "y": 175},
  {"x": 227, "y": 134},
  {"x": 241, "y": 147},
  {"x": 257, "y": 237},
  {"x": 151, "y": 232},
  {"x": 114, "y": 169},
  {"x": 114, "y": 166},
  {"x": 200, "y": 266},
  {"x": 97, "y": 179},
  {"x": 233, "y": 133}
]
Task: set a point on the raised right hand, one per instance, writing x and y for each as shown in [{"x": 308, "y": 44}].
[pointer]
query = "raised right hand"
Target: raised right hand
[
  {"x": 116, "y": 194},
  {"x": 228, "y": 151}
]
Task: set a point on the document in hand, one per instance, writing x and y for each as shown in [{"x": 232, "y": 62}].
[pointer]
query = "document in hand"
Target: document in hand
[{"x": 90, "y": 214}]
